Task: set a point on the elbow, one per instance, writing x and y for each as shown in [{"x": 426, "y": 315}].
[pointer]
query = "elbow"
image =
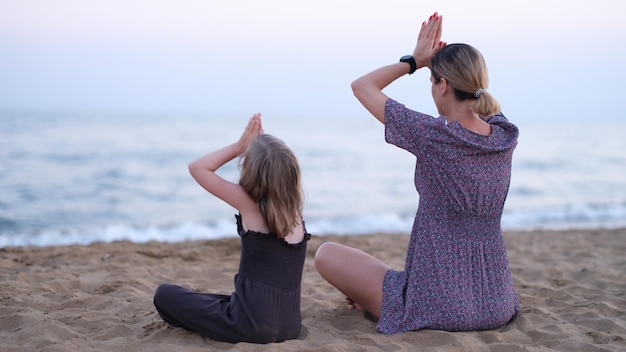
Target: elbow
[
  {"x": 357, "y": 88},
  {"x": 192, "y": 167},
  {"x": 370, "y": 96}
]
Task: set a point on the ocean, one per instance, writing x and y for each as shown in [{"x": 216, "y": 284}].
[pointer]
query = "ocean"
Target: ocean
[{"x": 79, "y": 177}]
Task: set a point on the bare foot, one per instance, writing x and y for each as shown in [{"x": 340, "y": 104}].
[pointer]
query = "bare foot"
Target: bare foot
[{"x": 353, "y": 304}]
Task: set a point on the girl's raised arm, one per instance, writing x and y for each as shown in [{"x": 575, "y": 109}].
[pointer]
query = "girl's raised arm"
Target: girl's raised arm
[{"x": 203, "y": 169}]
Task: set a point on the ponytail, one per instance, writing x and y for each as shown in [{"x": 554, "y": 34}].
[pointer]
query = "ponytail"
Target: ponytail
[{"x": 466, "y": 72}]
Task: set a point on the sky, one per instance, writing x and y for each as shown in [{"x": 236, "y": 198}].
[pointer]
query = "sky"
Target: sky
[{"x": 547, "y": 59}]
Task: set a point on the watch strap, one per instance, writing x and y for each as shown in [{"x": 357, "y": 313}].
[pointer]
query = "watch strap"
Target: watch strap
[{"x": 411, "y": 60}]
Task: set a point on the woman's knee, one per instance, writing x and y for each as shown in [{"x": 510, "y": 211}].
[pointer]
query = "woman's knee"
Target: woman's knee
[{"x": 324, "y": 256}]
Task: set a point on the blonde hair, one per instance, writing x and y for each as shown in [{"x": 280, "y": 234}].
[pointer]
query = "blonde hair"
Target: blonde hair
[
  {"x": 465, "y": 70},
  {"x": 270, "y": 174}
]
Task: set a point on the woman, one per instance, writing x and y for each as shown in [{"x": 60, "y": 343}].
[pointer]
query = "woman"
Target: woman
[
  {"x": 456, "y": 274},
  {"x": 265, "y": 306}
]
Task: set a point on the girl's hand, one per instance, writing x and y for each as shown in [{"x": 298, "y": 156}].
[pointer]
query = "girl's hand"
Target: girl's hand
[
  {"x": 253, "y": 129},
  {"x": 428, "y": 41}
]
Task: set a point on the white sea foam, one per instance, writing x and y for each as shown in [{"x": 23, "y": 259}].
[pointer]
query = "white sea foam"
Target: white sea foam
[
  {"x": 589, "y": 217},
  {"x": 62, "y": 183}
]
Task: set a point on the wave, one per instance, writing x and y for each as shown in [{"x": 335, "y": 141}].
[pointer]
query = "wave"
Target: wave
[
  {"x": 591, "y": 216},
  {"x": 587, "y": 216}
]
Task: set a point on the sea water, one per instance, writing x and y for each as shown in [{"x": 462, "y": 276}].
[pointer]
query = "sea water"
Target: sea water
[{"x": 79, "y": 177}]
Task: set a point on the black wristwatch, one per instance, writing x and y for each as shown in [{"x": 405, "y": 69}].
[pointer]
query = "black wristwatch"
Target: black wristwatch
[{"x": 411, "y": 60}]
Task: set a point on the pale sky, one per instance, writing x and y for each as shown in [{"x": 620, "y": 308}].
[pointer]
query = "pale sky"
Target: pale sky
[{"x": 547, "y": 59}]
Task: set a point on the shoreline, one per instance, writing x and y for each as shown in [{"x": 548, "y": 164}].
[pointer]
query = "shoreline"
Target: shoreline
[
  {"x": 571, "y": 283},
  {"x": 548, "y": 229}
]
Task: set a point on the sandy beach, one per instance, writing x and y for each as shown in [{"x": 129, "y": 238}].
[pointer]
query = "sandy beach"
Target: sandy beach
[{"x": 572, "y": 288}]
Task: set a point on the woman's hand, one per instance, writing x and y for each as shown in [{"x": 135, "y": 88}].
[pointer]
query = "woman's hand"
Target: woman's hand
[
  {"x": 253, "y": 129},
  {"x": 428, "y": 41}
]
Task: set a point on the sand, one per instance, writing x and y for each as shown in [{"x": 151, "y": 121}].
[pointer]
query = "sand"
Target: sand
[{"x": 572, "y": 287}]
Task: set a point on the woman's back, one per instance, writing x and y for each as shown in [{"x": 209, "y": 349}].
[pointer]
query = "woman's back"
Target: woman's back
[{"x": 456, "y": 273}]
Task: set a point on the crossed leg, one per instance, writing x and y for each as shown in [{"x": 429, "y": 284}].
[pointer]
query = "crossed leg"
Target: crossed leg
[{"x": 355, "y": 273}]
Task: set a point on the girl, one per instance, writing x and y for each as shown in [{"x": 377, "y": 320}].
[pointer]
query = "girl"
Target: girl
[{"x": 265, "y": 306}]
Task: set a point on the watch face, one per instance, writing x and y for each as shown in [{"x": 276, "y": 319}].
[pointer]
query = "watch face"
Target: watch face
[{"x": 406, "y": 58}]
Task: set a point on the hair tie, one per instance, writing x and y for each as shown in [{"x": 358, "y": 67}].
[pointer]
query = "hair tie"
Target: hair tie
[{"x": 478, "y": 93}]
